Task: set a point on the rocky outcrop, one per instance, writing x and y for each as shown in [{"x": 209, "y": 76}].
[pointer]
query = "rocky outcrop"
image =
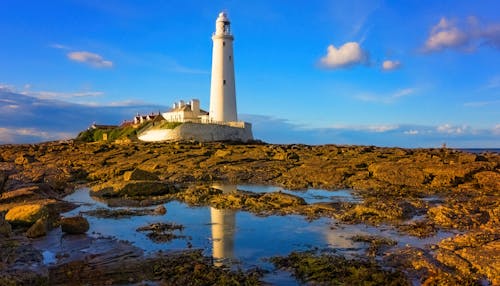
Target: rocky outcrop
[
  {"x": 26, "y": 214},
  {"x": 74, "y": 225},
  {"x": 3, "y": 179},
  {"x": 39, "y": 228},
  {"x": 132, "y": 189},
  {"x": 5, "y": 228},
  {"x": 447, "y": 189},
  {"x": 140, "y": 175}
]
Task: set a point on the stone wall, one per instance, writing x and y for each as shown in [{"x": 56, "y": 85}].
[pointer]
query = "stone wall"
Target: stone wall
[{"x": 200, "y": 132}]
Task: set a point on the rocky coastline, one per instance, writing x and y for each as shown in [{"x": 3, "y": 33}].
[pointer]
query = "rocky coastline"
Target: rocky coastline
[{"x": 446, "y": 189}]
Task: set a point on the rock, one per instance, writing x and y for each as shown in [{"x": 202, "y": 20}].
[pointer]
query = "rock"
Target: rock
[
  {"x": 5, "y": 228},
  {"x": 74, "y": 225},
  {"x": 488, "y": 180},
  {"x": 292, "y": 156},
  {"x": 485, "y": 259},
  {"x": 20, "y": 194},
  {"x": 39, "y": 228},
  {"x": 222, "y": 153},
  {"x": 279, "y": 200},
  {"x": 24, "y": 159},
  {"x": 26, "y": 215},
  {"x": 3, "y": 179},
  {"x": 133, "y": 189},
  {"x": 140, "y": 175},
  {"x": 160, "y": 210},
  {"x": 398, "y": 173}
]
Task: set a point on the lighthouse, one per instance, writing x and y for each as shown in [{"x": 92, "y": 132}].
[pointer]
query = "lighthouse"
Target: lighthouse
[
  {"x": 219, "y": 124},
  {"x": 222, "y": 88}
]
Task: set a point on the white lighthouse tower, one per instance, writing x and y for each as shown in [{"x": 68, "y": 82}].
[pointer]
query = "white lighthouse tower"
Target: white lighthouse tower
[
  {"x": 219, "y": 124},
  {"x": 222, "y": 89}
]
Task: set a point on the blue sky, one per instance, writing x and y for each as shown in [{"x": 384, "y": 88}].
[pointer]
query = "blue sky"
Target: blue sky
[{"x": 391, "y": 73}]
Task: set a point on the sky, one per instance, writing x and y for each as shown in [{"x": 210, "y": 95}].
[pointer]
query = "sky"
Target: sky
[{"x": 388, "y": 73}]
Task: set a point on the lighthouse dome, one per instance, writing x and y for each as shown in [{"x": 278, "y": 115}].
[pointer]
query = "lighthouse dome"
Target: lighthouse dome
[{"x": 222, "y": 17}]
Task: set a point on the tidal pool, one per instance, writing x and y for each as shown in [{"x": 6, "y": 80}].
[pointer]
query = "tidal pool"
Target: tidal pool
[{"x": 231, "y": 237}]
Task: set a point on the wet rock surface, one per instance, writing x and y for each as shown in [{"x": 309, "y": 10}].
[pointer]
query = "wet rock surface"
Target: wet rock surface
[
  {"x": 394, "y": 184},
  {"x": 163, "y": 232},
  {"x": 330, "y": 269},
  {"x": 74, "y": 225}
]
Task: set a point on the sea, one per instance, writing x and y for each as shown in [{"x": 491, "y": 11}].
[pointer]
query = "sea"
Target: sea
[{"x": 480, "y": 150}]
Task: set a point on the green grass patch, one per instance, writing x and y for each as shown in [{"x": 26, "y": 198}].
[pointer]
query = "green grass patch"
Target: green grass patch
[{"x": 94, "y": 135}]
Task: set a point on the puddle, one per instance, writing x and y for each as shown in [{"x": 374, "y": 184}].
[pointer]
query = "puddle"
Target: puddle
[
  {"x": 311, "y": 196},
  {"x": 231, "y": 237}
]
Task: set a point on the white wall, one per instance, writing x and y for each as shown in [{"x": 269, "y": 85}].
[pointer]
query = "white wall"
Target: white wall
[{"x": 199, "y": 132}]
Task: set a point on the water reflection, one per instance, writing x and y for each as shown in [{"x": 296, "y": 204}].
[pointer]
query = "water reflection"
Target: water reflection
[
  {"x": 223, "y": 229},
  {"x": 215, "y": 231}
]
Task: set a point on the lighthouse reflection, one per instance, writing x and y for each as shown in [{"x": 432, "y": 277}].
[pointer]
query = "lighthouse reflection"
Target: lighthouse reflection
[{"x": 223, "y": 229}]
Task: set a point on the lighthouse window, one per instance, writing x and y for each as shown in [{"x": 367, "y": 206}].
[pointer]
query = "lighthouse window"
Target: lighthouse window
[
  {"x": 224, "y": 44},
  {"x": 224, "y": 82},
  {"x": 229, "y": 58}
]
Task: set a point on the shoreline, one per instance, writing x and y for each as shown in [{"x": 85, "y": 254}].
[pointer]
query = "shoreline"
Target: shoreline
[{"x": 394, "y": 184}]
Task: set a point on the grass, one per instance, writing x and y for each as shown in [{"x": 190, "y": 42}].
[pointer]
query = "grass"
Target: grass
[{"x": 130, "y": 132}]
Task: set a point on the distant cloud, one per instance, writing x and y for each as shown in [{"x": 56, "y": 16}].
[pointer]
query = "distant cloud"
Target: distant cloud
[
  {"x": 63, "y": 95},
  {"x": 89, "y": 58},
  {"x": 347, "y": 55},
  {"x": 60, "y": 47},
  {"x": 386, "y": 98},
  {"x": 491, "y": 35},
  {"x": 411, "y": 132},
  {"x": 403, "y": 92},
  {"x": 450, "y": 34},
  {"x": 481, "y": 103},
  {"x": 496, "y": 129},
  {"x": 450, "y": 129},
  {"x": 275, "y": 130},
  {"x": 41, "y": 119},
  {"x": 6, "y": 87},
  {"x": 389, "y": 65},
  {"x": 493, "y": 83},
  {"x": 377, "y": 128},
  {"x": 17, "y": 135}
]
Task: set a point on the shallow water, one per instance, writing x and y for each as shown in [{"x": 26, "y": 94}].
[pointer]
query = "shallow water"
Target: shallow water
[
  {"x": 311, "y": 196},
  {"x": 233, "y": 237}
]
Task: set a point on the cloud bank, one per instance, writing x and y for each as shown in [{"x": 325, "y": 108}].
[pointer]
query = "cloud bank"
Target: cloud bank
[
  {"x": 348, "y": 55},
  {"x": 89, "y": 58},
  {"x": 275, "y": 130},
  {"x": 27, "y": 119}
]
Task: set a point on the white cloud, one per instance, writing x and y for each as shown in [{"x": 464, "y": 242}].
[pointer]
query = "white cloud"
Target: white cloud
[
  {"x": 450, "y": 129},
  {"x": 496, "y": 129},
  {"x": 7, "y": 87},
  {"x": 403, "y": 92},
  {"x": 59, "y": 46},
  {"x": 390, "y": 65},
  {"x": 411, "y": 132},
  {"x": 89, "y": 58},
  {"x": 62, "y": 95},
  {"x": 491, "y": 35},
  {"x": 16, "y": 135},
  {"x": 48, "y": 94},
  {"x": 376, "y": 128},
  {"x": 448, "y": 34},
  {"x": 347, "y": 55},
  {"x": 481, "y": 103},
  {"x": 384, "y": 98},
  {"x": 493, "y": 83}
]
